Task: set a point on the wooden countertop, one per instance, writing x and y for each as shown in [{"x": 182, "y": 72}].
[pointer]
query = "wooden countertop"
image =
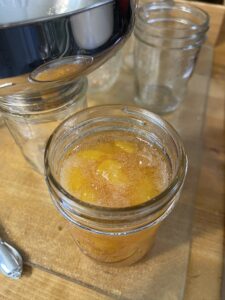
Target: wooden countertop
[
  {"x": 207, "y": 251},
  {"x": 204, "y": 279}
]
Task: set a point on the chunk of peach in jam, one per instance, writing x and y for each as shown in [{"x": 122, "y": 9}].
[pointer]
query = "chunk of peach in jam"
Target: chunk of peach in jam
[
  {"x": 126, "y": 146},
  {"x": 112, "y": 171},
  {"x": 119, "y": 170}
]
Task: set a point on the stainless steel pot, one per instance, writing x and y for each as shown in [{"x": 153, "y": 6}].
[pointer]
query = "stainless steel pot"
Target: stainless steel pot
[{"x": 36, "y": 36}]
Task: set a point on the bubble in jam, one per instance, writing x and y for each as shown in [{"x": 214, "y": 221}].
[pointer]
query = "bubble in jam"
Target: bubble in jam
[{"x": 112, "y": 169}]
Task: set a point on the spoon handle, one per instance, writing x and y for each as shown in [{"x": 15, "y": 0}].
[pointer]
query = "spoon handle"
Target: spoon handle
[{"x": 11, "y": 264}]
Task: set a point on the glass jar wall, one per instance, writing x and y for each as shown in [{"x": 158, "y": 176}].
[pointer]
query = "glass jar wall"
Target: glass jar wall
[{"x": 32, "y": 116}]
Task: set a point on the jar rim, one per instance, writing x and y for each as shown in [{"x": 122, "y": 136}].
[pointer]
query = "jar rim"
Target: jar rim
[
  {"x": 196, "y": 45},
  {"x": 31, "y": 102},
  {"x": 150, "y": 206},
  {"x": 174, "y": 6},
  {"x": 77, "y": 60}
]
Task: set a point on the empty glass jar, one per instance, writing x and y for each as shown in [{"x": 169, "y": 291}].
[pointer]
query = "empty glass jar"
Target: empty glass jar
[
  {"x": 169, "y": 36},
  {"x": 32, "y": 116},
  {"x": 106, "y": 75}
]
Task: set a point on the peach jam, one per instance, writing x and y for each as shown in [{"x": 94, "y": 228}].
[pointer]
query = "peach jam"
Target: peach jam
[{"x": 115, "y": 170}]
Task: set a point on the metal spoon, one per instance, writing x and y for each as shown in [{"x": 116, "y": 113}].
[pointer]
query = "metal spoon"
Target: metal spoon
[{"x": 11, "y": 263}]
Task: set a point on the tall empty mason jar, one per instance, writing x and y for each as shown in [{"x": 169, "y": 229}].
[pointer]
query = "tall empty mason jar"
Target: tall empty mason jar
[
  {"x": 31, "y": 116},
  {"x": 169, "y": 36}
]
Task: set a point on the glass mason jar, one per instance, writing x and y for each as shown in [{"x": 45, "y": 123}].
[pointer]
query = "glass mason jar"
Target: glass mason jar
[
  {"x": 115, "y": 235},
  {"x": 168, "y": 36},
  {"x": 128, "y": 54},
  {"x": 106, "y": 75},
  {"x": 32, "y": 116}
]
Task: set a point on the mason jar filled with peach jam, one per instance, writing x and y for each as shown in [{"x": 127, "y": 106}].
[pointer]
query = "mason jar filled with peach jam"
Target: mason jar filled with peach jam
[{"x": 115, "y": 173}]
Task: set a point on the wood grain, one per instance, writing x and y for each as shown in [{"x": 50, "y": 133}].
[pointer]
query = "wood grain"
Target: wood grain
[
  {"x": 36, "y": 284},
  {"x": 206, "y": 259}
]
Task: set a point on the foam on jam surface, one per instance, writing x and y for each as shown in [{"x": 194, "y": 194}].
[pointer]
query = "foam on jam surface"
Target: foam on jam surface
[{"x": 115, "y": 170}]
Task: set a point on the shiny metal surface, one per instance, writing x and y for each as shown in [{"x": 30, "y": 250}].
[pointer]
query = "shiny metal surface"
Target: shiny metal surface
[
  {"x": 33, "y": 33},
  {"x": 20, "y": 12},
  {"x": 11, "y": 263}
]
